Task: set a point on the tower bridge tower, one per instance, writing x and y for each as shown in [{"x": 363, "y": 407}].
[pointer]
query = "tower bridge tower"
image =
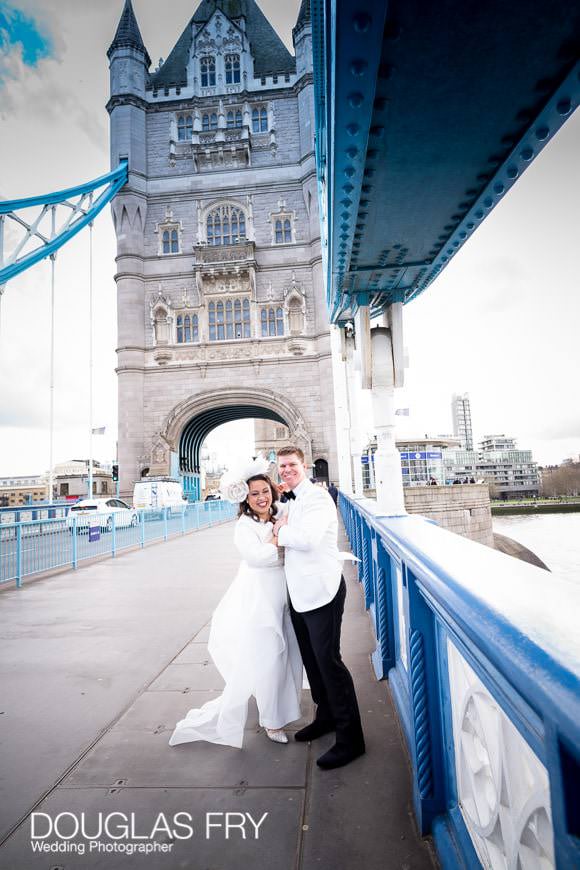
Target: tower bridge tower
[{"x": 221, "y": 305}]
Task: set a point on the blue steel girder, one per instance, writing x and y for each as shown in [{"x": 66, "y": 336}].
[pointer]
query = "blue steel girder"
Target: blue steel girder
[
  {"x": 78, "y": 216},
  {"x": 426, "y": 115}
]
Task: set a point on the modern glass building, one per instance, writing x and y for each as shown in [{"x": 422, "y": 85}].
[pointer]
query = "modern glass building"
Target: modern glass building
[
  {"x": 511, "y": 473},
  {"x": 421, "y": 461},
  {"x": 461, "y": 416}
]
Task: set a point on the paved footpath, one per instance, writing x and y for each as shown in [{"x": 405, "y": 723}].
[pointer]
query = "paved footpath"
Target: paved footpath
[{"x": 97, "y": 665}]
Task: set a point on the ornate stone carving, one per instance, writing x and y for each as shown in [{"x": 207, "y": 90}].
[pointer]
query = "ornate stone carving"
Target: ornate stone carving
[{"x": 502, "y": 786}]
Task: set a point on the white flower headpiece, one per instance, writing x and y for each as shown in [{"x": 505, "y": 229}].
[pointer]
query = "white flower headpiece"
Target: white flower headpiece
[{"x": 233, "y": 486}]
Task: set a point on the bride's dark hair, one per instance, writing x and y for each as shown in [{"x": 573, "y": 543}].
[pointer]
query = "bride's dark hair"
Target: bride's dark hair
[{"x": 245, "y": 508}]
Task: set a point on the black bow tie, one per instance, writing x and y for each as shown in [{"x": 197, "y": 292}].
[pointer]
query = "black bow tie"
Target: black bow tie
[{"x": 289, "y": 495}]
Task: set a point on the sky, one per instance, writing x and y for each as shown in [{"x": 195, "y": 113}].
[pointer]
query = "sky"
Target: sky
[{"x": 501, "y": 322}]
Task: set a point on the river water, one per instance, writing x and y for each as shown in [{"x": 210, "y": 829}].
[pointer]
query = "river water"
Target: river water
[{"x": 555, "y": 538}]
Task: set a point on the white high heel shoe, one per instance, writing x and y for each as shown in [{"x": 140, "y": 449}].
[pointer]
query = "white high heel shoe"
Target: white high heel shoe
[{"x": 278, "y": 736}]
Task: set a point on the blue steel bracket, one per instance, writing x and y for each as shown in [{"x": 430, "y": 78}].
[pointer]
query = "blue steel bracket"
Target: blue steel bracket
[{"x": 91, "y": 198}]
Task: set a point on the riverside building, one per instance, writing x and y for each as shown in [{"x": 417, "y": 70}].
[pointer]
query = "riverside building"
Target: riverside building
[{"x": 510, "y": 472}]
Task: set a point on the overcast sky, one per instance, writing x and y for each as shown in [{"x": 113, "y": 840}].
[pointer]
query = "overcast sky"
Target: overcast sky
[{"x": 501, "y": 322}]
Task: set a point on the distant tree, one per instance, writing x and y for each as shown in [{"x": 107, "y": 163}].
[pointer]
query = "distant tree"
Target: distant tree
[{"x": 561, "y": 480}]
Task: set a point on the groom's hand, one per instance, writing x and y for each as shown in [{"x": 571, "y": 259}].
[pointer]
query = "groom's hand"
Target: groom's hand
[{"x": 283, "y": 521}]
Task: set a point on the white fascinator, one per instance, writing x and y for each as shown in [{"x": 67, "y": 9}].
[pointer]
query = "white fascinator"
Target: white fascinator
[{"x": 233, "y": 486}]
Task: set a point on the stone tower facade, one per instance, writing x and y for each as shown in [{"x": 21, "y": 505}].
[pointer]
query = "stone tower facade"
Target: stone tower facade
[{"x": 221, "y": 308}]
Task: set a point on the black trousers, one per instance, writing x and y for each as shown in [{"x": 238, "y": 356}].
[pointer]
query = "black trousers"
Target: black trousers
[{"x": 318, "y": 634}]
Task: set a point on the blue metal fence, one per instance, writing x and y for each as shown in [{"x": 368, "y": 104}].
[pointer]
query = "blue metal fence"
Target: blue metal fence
[
  {"x": 34, "y": 546},
  {"x": 482, "y": 653}
]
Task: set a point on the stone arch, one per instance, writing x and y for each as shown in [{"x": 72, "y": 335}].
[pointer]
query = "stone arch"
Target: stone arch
[{"x": 187, "y": 425}]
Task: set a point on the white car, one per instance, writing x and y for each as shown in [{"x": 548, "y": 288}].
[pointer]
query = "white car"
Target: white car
[{"x": 100, "y": 511}]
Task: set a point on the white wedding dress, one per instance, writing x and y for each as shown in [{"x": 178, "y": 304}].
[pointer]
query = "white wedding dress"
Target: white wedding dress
[{"x": 253, "y": 645}]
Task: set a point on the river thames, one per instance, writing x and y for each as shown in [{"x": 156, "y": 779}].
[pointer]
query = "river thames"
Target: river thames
[{"x": 555, "y": 538}]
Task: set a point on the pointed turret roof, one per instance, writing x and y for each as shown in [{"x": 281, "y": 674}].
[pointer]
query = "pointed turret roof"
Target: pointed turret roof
[
  {"x": 303, "y": 15},
  {"x": 128, "y": 34},
  {"x": 271, "y": 57}
]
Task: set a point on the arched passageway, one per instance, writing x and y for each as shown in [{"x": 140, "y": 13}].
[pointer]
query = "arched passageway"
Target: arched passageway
[{"x": 198, "y": 428}]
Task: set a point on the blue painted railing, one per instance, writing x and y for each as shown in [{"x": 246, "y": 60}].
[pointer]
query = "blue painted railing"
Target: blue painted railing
[
  {"x": 482, "y": 652},
  {"x": 35, "y": 546}
]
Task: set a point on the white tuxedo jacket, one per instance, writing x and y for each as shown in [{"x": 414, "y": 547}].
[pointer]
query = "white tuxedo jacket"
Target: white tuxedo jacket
[{"x": 312, "y": 563}]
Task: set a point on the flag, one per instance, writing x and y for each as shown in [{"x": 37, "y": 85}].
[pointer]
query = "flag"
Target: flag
[
  {"x": 402, "y": 412},
  {"x": 100, "y": 431}
]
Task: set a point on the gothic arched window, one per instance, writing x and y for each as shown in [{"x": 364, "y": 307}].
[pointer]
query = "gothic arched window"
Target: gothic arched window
[
  {"x": 229, "y": 319},
  {"x": 170, "y": 242},
  {"x": 234, "y": 119},
  {"x": 187, "y": 328},
  {"x": 207, "y": 66},
  {"x": 209, "y": 122},
  {"x": 232, "y": 62},
  {"x": 272, "y": 321},
  {"x": 282, "y": 230},
  {"x": 226, "y": 225},
  {"x": 184, "y": 127},
  {"x": 259, "y": 120}
]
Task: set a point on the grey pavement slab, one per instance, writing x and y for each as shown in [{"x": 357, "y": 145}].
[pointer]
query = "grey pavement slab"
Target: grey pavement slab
[
  {"x": 155, "y": 610},
  {"x": 77, "y": 648},
  {"x": 144, "y": 760}
]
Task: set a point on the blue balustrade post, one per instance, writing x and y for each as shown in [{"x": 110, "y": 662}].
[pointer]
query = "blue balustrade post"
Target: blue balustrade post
[
  {"x": 366, "y": 567},
  {"x": 383, "y": 658},
  {"x": 113, "y": 535},
  {"x": 427, "y": 751},
  {"x": 183, "y": 520},
  {"x": 142, "y": 522},
  {"x": 18, "y": 555},
  {"x": 75, "y": 546},
  {"x": 165, "y": 530}
]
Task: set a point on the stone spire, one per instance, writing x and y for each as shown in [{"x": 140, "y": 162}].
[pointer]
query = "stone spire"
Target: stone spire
[{"x": 128, "y": 34}]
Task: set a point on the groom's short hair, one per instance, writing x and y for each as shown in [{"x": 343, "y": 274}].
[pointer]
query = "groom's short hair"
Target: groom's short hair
[{"x": 289, "y": 451}]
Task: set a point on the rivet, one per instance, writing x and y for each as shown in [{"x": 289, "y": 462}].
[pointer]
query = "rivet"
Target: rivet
[
  {"x": 479, "y": 214},
  {"x": 349, "y": 171},
  {"x": 355, "y": 99},
  {"x": 512, "y": 171},
  {"x": 347, "y": 187},
  {"x": 564, "y": 106},
  {"x": 358, "y": 67},
  {"x": 488, "y": 202},
  {"x": 344, "y": 226},
  {"x": 346, "y": 201},
  {"x": 542, "y": 133},
  {"x": 378, "y": 130},
  {"x": 527, "y": 153},
  {"x": 345, "y": 215},
  {"x": 352, "y": 152},
  {"x": 463, "y": 234},
  {"x": 352, "y": 129},
  {"x": 470, "y": 226},
  {"x": 498, "y": 188}
]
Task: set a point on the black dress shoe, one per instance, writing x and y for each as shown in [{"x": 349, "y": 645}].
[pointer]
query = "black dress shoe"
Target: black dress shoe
[
  {"x": 341, "y": 754},
  {"x": 314, "y": 730}
]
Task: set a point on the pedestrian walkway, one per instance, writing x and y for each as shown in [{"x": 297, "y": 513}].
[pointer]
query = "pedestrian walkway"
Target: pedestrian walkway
[{"x": 97, "y": 665}]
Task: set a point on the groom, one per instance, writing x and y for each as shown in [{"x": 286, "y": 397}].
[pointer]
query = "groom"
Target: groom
[{"x": 317, "y": 591}]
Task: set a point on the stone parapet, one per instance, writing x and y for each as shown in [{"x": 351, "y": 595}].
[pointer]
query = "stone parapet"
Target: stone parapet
[{"x": 464, "y": 509}]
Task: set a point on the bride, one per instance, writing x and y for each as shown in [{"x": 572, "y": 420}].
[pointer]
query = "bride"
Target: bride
[{"x": 252, "y": 641}]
